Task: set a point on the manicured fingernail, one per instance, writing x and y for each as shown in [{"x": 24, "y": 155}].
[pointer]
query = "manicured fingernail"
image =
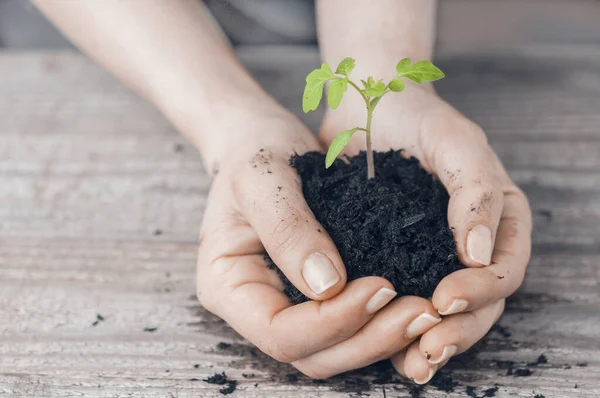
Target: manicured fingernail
[
  {"x": 429, "y": 376},
  {"x": 319, "y": 273},
  {"x": 448, "y": 352},
  {"x": 421, "y": 324},
  {"x": 479, "y": 244},
  {"x": 458, "y": 305},
  {"x": 380, "y": 299}
]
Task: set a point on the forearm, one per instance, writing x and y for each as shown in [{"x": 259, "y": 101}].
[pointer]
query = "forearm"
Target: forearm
[
  {"x": 376, "y": 33},
  {"x": 171, "y": 53}
]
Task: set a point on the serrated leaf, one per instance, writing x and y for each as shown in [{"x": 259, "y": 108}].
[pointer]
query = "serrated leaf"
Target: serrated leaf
[
  {"x": 337, "y": 146},
  {"x": 403, "y": 65},
  {"x": 396, "y": 85},
  {"x": 422, "y": 71},
  {"x": 337, "y": 88},
  {"x": 346, "y": 66},
  {"x": 375, "y": 90},
  {"x": 313, "y": 91}
]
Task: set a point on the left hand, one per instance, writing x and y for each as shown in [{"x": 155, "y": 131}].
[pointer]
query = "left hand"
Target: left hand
[{"x": 489, "y": 215}]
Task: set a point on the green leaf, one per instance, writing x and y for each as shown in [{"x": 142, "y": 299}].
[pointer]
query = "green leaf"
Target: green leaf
[
  {"x": 364, "y": 83},
  {"x": 376, "y": 89},
  {"x": 403, "y": 65},
  {"x": 337, "y": 88},
  {"x": 396, "y": 85},
  {"x": 370, "y": 81},
  {"x": 337, "y": 146},
  {"x": 313, "y": 91},
  {"x": 375, "y": 102},
  {"x": 346, "y": 66},
  {"x": 422, "y": 71}
]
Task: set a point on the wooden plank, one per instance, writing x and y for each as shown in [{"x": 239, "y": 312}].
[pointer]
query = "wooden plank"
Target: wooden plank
[{"x": 88, "y": 173}]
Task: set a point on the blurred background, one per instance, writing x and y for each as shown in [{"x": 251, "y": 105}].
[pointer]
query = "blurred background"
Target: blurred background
[{"x": 463, "y": 26}]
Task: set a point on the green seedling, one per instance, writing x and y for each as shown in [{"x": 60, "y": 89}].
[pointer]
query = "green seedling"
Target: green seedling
[{"x": 372, "y": 93}]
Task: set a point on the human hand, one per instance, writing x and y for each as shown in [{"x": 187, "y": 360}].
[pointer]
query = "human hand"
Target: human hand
[
  {"x": 489, "y": 215},
  {"x": 256, "y": 205}
]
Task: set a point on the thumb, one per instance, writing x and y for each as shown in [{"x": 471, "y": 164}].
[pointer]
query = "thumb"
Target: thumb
[{"x": 269, "y": 195}]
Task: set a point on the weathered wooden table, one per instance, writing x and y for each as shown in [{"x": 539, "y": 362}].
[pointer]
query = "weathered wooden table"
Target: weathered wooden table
[{"x": 101, "y": 201}]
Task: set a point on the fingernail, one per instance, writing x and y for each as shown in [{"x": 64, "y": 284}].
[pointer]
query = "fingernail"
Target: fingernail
[
  {"x": 380, "y": 299},
  {"x": 448, "y": 352},
  {"x": 429, "y": 376},
  {"x": 319, "y": 273},
  {"x": 458, "y": 305},
  {"x": 421, "y": 324},
  {"x": 479, "y": 244}
]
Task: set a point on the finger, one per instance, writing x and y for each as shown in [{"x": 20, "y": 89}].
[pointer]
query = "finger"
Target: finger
[
  {"x": 472, "y": 288},
  {"x": 392, "y": 329},
  {"x": 468, "y": 168},
  {"x": 248, "y": 296},
  {"x": 270, "y": 197},
  {"x": 416, "y": 367},
  {"x": 453, "y": 336}
]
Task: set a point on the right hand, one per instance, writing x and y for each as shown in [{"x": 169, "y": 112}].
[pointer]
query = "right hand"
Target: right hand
[{"x": 255, "y": 206}]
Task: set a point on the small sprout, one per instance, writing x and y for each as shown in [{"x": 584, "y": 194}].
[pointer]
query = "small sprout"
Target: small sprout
[{"x": 371, "y": 93}]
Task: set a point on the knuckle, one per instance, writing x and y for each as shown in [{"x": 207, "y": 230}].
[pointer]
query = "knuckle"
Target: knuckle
[
  {"x": 285, "y": 236},
  {"x": 277, "y": 352}
]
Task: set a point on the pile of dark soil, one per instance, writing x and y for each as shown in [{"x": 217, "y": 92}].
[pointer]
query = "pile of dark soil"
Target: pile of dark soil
[{"x": 394, "y": 226}]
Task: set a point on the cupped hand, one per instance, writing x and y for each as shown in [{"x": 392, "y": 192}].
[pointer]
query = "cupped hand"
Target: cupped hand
[
  {"x": 255, "y": 206},
  {"x": 488, "y": 213}
]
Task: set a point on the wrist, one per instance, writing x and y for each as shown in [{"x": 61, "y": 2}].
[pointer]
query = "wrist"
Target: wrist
[{"x": 236, "y": 130}]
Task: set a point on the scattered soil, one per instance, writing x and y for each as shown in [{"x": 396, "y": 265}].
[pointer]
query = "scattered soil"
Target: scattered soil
[
  {"x": 490, "y": 392},
  {"x": 541, "y": 360},
  {"x": 443, "y": 382},
  {"x": 522, "y": 372},
  {"x": 394, "y": 226},
  {"x": 99, "y": 318},
  {"x": 545, "y": 213},
  {"x": 230, "y": 388},
  {"x": 223, "y": 346},
  {"x": 218, "y": 378},
  {"x": 221, "y": 379}
]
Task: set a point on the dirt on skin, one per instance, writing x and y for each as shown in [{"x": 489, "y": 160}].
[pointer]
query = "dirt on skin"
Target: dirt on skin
[{"x": 394, "y": 226}]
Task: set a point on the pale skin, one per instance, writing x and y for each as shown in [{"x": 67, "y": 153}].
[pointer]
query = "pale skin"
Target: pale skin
[{"x": 171, "y": 53}]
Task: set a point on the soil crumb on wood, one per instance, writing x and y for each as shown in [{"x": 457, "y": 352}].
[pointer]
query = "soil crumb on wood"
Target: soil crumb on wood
[
  {"x": 547, "y": 214},
  {"x": 394, "y": 226},
  {"x": 523, "y": 372},
  {"x": 99, "y": 318},
  {"x": 223, "y": 346},
  {"x": 218, "y": 378},
  {"x": 490, "y": 392},
  {"x": 443, "y": 382},
  {"x": 539, "y": 361},
  {"x": 230, "y": 388}
]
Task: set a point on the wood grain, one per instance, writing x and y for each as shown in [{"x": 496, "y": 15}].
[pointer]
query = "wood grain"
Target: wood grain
[{"x": 101, "y": 200}]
